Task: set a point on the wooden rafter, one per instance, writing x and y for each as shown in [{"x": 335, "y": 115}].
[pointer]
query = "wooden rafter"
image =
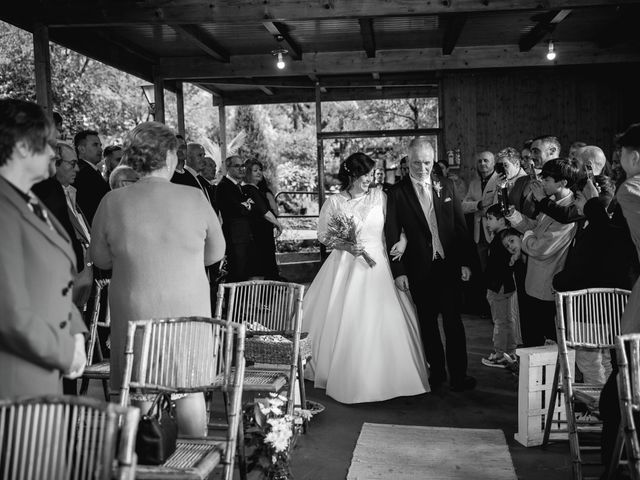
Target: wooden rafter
[
  {"x": 368, "y": 37},
  {"x": 281, "y": 33},
  {"x": 200, "y": 38},
  {"x": 453, "y": 25},
  {"x": 546, "y": 25},
  {"x": 85, "y": 13},
  {"x": 391, "y": 61}
]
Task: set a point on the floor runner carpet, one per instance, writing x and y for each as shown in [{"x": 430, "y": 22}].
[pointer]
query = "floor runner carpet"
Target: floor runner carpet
[{"x": 407, "y": 452}]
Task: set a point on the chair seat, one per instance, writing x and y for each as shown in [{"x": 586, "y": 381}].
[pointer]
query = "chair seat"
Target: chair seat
[
  {"x": 585, "y": 393},
  {"x": 101, "y": 370},
  {"x": 194, "y": 459},
  {"x": 260, "y": 380}
]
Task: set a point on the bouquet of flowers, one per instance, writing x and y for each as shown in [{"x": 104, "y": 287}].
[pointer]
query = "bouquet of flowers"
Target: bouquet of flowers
[
  {"x": 341, "y": 228},
  {"x": 268, "y": 430}
]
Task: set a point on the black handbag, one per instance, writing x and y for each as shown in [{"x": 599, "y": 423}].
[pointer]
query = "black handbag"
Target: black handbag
[{"x": 157, "y": 432}]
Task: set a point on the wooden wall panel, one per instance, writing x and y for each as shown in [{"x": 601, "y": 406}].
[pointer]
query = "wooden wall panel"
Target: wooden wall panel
[{"x": 493, "y": 110}]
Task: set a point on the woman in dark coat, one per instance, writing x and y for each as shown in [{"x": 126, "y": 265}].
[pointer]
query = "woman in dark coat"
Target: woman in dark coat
[{"x": 263, "y": 221}]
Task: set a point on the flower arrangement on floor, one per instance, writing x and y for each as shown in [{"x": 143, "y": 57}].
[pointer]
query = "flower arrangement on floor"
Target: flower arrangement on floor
[{"x": 268, "y": 435}]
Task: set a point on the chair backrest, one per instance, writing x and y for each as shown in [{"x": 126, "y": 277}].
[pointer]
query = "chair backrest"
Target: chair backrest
[
  {"x": 185, "y": 354},
  {"x": 276, "y": 306},
  {"x": 590, "y": 318},
  {"x": 66, "y": 437},
  {"x": 95, "y": 317},
  {"x": 188, "y": 354},
  {"x": 628, "y": 356}
]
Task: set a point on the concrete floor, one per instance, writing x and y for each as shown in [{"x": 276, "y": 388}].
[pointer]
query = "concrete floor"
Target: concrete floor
[{"x": 324, "y": 453}]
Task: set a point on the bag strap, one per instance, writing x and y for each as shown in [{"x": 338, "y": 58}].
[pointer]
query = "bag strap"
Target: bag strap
[{"x": 160, "y": 403}]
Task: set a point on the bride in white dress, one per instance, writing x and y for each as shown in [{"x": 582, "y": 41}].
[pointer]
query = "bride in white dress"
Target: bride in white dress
[{"x": 364, "y": 332}]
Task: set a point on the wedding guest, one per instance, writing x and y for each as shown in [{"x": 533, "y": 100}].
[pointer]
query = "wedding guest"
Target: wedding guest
[
  {"x": 89, "y": 182},
  {"x": 157, "y": 237},
  {"x": 543, "y": 149},
  {"x": 59, "y": 196},
  {"x": 112, "y": 156},
  {"x": 628, "y": 197},
  {"x": 547, "y": 242},
  {"x": 206, "y": 179},
  {"x": 57, "y": 121},
  {"x": 500, "y": 290},
  {"x": 182, "y": 174},
  {"x": 122, "y": 176},
  {"x": 480, "y": 196},
  {"x": 263, "y": 222},
  {"x": 41, "y": 331},
  {"x": 236, "y": 209},
  {"x": 574, "y": 149},
  {"x": 379, "y": 180}
]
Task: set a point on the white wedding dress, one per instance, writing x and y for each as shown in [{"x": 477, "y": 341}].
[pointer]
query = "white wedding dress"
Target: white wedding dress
[{"x": 364, "y": 332}]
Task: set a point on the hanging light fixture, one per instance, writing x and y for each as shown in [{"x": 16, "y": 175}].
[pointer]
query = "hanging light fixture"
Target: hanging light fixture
[
  {"x": 551, "y": 52},
  {"x": 279, "y": 54}
]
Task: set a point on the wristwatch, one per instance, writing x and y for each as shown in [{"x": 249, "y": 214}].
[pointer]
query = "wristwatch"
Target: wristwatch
[{"x": 89, "y": 264}]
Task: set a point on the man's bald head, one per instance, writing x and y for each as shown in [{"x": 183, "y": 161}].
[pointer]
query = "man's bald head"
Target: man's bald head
[{"x": 594, "y": 156}]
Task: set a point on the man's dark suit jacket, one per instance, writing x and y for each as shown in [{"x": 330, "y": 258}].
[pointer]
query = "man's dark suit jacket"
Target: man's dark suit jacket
[
  {"x": 91, "y": 188},
  {"x": 211, "y": 191},
  {"x": 184, "y": 178},
  {"x": 236, "y": 224},
  {"x": 51, "y": 193},
  {"x": 404, "y": 212}
]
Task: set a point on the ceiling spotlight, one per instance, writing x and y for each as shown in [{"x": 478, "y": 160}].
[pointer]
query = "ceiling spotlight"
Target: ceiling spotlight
[
  {"x": 279, "y": 53},
  {"x": 551, "y": 52}
]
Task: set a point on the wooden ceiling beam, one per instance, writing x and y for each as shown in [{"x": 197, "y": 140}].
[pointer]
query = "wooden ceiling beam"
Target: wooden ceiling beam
[
  {"x": 197, "y": 36},
  {"x": 124, "y": 12},
  {"x": 368, "y": 37},
  {"x": 546, "y": 25},
  {"x": 393, "y": 61},
  {"x": 453, "y": 25},
  {"x": 281, "y": 34},
  {"x": 303, "y": 96},
  {"x": 266, "y": 90},
  {"x": 399, "y": 80}
]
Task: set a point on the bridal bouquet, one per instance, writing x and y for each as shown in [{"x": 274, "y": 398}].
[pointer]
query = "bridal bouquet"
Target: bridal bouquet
[{"x": 341, "y": 228}]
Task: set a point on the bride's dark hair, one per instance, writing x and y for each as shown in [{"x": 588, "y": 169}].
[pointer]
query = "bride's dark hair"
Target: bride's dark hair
[{"x": 356, "y": 165}]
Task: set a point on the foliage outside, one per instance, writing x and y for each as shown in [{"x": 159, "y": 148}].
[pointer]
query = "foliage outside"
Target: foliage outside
[{"x": 91, "y": 95}]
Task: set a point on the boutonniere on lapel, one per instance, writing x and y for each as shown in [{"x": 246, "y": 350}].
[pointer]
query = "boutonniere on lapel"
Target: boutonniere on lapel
[{"x": 437, "y": 186}]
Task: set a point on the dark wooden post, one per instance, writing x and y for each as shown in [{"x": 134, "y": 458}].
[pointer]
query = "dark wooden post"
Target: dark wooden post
[
  {"x": 42, "y": 60},
  {"x": 320, "y": 144},
  {"x": 158, "y": 84},
  {"x": 180, "y": 108}
]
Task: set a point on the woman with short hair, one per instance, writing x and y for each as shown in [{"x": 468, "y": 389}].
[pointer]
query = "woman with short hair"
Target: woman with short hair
[{"x": 157, "y": 237}]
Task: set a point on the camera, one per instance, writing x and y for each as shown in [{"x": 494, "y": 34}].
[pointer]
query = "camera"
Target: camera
[
  {"x": 499, "y": 168},
  {"x": 589, "y": 171}
]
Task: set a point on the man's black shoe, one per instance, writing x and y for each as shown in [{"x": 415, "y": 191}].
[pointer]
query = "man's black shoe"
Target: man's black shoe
[{"x": 467, "y": 383}]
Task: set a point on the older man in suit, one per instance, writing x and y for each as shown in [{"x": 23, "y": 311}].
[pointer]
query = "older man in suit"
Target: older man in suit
[
  {"x": 235, "y": 208},
  {"x": 438, "y": 252},
  {"x": 41, "y": 331}
]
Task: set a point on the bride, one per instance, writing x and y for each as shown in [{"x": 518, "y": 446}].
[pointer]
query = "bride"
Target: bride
[{"x": 364, "y": 332}]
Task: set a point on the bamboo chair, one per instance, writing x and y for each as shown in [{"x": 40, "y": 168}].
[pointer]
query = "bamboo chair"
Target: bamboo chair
[
  {"x": 628, "y": 355},
  {"x": 276, "y": 307},
  {"x": 587, "y": 319},
  {"x": 100, "y": 370},
  {"x": 185, "y": 355},
  {"x": 67, "y": 437}
]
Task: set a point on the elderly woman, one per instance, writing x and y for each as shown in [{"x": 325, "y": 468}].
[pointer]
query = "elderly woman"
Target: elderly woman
[
  {"x": 263, "y": 220},
  {"x": 157, "y": 237}
]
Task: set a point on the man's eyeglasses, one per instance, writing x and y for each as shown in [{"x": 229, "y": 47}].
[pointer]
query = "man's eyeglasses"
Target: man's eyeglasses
[
  {"x": 73, "y": 163},
  {"x": 236, "y": 166}
]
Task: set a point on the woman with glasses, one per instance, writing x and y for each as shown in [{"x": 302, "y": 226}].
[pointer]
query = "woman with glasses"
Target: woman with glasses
[{"x": 157, "y": 237}]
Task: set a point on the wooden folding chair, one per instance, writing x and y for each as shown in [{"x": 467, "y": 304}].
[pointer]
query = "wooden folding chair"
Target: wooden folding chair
[
  {"x": 101, "y": 369},
  {"x": 185, "y": 355},
  {"x": 585, "y": 319},
  {"x": 272, "y": 313},
  {"x": 67, "y": 437},
  {"x": 628, "y": 355}
]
